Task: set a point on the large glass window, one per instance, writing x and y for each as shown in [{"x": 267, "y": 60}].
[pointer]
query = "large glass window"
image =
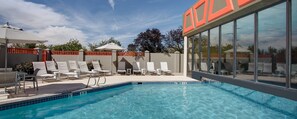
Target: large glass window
[
  {"x": 214, "y": 50},
  {"x": 227, "y": 49},
  {"x": 294, "y": 45},
  {"x": 245, "y": 48},
  {"x": 204, "y": 51},
  {"x": 272, "y": 45}
]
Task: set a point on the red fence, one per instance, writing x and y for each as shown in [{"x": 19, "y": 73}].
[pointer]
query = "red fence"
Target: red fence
[
  {"x": 98, "y": 53},
  {"x": 65, "y": 52},
  {"x": 21, "y": 51}
]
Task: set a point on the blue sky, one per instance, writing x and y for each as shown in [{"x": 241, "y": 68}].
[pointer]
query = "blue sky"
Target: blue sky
[{"x": 93, "y": 20}]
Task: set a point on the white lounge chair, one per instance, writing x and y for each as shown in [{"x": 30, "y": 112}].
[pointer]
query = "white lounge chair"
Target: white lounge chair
[
  {"x": 51, "y": 66},
  {"x": 9, "y": 79},
  {"x": 203, "y": 66},
  {"x": 189, "y": 66},
  {"x": 74, "y": 67},
  {"x": 260, "y": 67},
  {"x": 281, "y": 70},
  {"x": 267, "y": 68},
  {"x": 63, "y": 69},
  {"x": 83, "y": 67},
  {"x": 164, "y": 68},
  {"x": 251, "y": 68},
  {"x": 151, "y": 68},
  {"x": 294, "y": 71},
  {"x": 98, "y": 68},
  {"x": 42, "y": 70},
  {"x": 136, "y": 67},
  {"x": 121, "y": 67}
]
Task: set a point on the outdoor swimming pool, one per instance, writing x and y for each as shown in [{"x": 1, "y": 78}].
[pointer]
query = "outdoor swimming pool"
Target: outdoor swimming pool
[{"x": 165, "y": 101}]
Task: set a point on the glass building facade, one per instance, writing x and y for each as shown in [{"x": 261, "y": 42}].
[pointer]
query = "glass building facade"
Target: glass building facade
[{"x": 259, "y": 47}]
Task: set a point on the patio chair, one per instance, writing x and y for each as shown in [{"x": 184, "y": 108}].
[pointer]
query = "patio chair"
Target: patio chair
[
  {"x": 83, "y": 67},
  {"x": 227, "y": 68},
  {"x": 98, "y": 68},
  {"x": 203, "y": 66},
  {"x": 63, "y": 69},
  {"x": 267, "y": 68},
  {"x": 294, "y": 71},
  {"x": 121, "y": 67},
  {"x": 9, "y": 79},
  {"x": 164, "y": 68},
  {"x": 74, "y": 67},
  {"x": 51, "y": 66},
  {"x": 189, "y": 66},
  {"x": 42, "y": 70},
  {"x": 151, "y": 68},
  {"x": 260, "y": 67},
  {"x": 280, "y": 70},
  {"x": 251, "y": 68},
  {"x": 32, "y": 78},
  {"x": 136, "y": 67}
]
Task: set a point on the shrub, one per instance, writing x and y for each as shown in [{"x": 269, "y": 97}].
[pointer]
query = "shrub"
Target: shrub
[{"x": 25, "y": 67}]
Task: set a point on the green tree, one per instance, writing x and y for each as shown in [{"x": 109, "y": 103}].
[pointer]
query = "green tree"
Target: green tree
[
  {"x": 71, "y": 45},
  {"x": 174, "y": 40},
  {"x": 150, "y": 40},
  {"x": 251, "y": 48},
  {"x": 42, "y": 46},
  {"x": 131, "y": 47},
  {"x": 93, "y": 46}
]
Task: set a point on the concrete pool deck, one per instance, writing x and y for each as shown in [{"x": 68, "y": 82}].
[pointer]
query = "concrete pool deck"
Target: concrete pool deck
[{"x": 52, "y": 87}]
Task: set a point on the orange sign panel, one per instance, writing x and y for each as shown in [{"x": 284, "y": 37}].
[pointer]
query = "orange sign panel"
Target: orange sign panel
[
  {"x": 228, "y": 8},
  {"x": 191, "y": 15},
  {"x": 200, "y": 22},
  {"x": 242, "y": 3}
]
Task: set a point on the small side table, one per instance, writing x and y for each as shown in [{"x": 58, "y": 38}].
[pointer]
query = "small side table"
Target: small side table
[
  {"x": 159, "y": 72},
  {"x": 143, "y": 71},
  {"x": 224, "y": 72},
  {"x": 77, "y": 75},
  {"x": 57, "y": 75},
  {"x": 128, "y": 71}
]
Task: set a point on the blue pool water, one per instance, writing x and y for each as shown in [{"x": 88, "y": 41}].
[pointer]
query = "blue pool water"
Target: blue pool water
[{"x": 163, "y": 101}]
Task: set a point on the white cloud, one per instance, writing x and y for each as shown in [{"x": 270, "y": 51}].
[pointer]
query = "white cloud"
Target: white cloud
[
  {"x": 31, "y": 15},
  {"x": 111, "y": 3},
  {"x": 81, "y": 24},
  {"x": 61, "y": 35},
  {"x": 40, "y": 19}
]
